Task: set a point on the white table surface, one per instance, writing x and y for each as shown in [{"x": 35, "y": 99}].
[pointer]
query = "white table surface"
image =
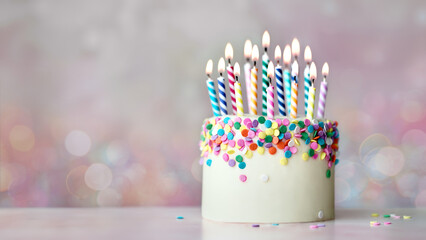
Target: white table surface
[{"x": 161, "y": 223}]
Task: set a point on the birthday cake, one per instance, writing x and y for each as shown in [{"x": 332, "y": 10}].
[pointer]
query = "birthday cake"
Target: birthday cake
[{"x": 267, "y": 169}]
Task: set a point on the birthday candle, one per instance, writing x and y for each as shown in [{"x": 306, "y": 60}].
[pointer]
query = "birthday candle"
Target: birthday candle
[
  {"x": 238, "y": 92},
  {"x": 229, "y": 53},
  {"x": 294, "y": 87},
  {"x": 323, "y": 92},
  {"x": 307, "y": 81},
  {"x": 210, "y": 87},
  {"x": 287, "y": 77},
  {"x": 253, "y": 79},
  {"x": 311, "y": 92},
  {"x": 265, "y": 62},
  {"x": 221, "y": 87},
  {"x": 247, "y": 54},
  {"x": 279, "y": 81},
  {"x": 270, "y": 91}
]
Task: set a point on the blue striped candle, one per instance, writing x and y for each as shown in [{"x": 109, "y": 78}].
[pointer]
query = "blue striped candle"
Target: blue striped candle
[
  {"x": 213, "y": 98},
  {"x": 307, "y": 84},
  {"x": 222, "y": 95},
  {"x": 280, "y": 90},
  {"x": 287, "y": 86},
  {"x": 265, "y": 83}
]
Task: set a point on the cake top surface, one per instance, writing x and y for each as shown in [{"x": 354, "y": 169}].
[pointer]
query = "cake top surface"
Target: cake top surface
[{"x": 240, "y": 137}]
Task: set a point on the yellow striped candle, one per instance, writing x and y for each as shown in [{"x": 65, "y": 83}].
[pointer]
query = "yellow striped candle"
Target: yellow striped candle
[
  {"x": 294, "y": 88},
  {"x": 238, "y": 92},
  {"x": 311, "y": 102}
]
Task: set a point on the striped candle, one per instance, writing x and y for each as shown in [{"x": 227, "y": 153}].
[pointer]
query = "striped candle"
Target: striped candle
[
  {"x": 307, "y": 84},
  {"x": 231, "y": 79},
  {"x": 253, "y": 91},
  {"x": 311, "y": 93},
  {"x": 294, "y": 94},
  {"x": 265, "y": 82},
  {"x": 287, "y": 86},
  {"x": 294, "y": 88},
  {"x": 279, "y": 81},
  {"x": 287, "y": 76},
  {"x": 270, "y": 92},
  {"x": 229, "y": 53},
  {"x": 311, "y": 102},
  {"x": 213, "y": 98},
  {"x": 280, "y": 90},
  {"x": 211, "y": 89},
  {"x": 238, "y": 92},
  {"x": 321, "y": 100},
  {"x": 307, "y": 80},
  {"x": 265, "y": 61},
  {"x": 323, "y": 92},
  {"x": 222, "y": 88}
]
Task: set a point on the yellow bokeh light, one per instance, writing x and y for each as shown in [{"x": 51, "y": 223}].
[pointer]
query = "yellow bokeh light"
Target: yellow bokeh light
[{"x": 21, "y": 138}]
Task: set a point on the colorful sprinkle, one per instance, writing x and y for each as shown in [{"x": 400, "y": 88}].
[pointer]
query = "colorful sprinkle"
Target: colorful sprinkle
[
  {"x": 242, "y": 165},
  {"x": 283, "y": 161},
  {"x": 255, "y": 225},
  {"x": 243, "y": 178},
  {"x": 321, "y": 225},
  {"x": 231, "y": 163},
  {"x": 328, "y": 173},
  {"x": 288, "y": 154},
  {"x": 387, "y": 223},
  {"x": 406, "y": 217},
  {"x": 209, "y": 162},
  {"x": 275, "y": 224},
  {"x": 264, "y": 178},
  {"x": 239, "y": 158},
  {"x": 179, "y": 217},
  {"x": 374, "y": 214},
  {"x": 313, "y": 226},
  {"x": 386, "y": 216}
]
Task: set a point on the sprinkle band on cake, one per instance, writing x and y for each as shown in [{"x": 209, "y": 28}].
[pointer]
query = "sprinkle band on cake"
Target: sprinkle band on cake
[{"x": 268, "y": 170}]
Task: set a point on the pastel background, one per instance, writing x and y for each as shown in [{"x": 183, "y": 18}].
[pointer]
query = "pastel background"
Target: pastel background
[{"x": 102, "y": 101}]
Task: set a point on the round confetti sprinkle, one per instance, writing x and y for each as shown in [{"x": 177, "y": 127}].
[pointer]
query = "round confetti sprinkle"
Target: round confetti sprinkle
[
  {"x": 274, "y": 125},
  {"x": 374, "y": 214},
  {"x": 240, "y": 142},
  {"x": 314, "y": 145},
  {"x": 280, "y": 145},
  {"x": 253, "y": 146},
  {"x": 268, "y": 139},
  {"x": 407, "y": 217},
  {"x": 301, "y": 124},
  {"x": 286, "y": 122},
  {"x": 261, "y": 150},
  {"x": 311, "y": 152},
  {"x": 293, "y": 150},
  {"x": 262, "y": 135},
  {"x": 321, "y": 225},
  {"x": 272, "y": 150},
  {"x": 231, "y": 162},
  {"x": 287, "y": 135},
  {"x": 225, "y": 157},
  {"x": 386, "y": 216},
  {"x": 242, "y": 165},
  {"x": 255, "y": 225},
  {"x": 255, "y": 123},
  {"x": 244, "y": 132},
  {"x": 305, "y": 156},
  {"x": 275, "y": 224},
  {"x": 307, "y": 122},
  {"x": 261, "y": 119},
  {"x": 268, "y": 123},
  {"x": 387, "y": 223},
  {"x": 239, "y": 158},
  {"x": 243, "y": 178},
  {"x": 287, "y": 154},
  {"x": 209, "y": 126},
  {"x": 328, "y": 173},
  {"x": 283, "y": 161},
  {"x": 313, "y": 226},
  {"x": 220, "y": 132},
  {"x": 283, "y": 129},
  {"x": 179, "y": 217},
  {"x": 209, "y": 162},
  {"x": 292, "y": 126},
  {"x": 230, "y": 136}
]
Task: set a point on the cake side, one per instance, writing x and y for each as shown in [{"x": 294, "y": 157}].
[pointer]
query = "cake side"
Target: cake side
[{"x": 266, "y": 171}]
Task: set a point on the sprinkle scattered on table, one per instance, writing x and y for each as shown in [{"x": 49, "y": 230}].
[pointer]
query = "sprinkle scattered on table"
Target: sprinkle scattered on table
[
  {"x": 313, "y": 226},
  {"x": 255, "y": 225},
  {"x": 275, "y": 224},
  {"x": 179, "y": 217},
  {"x": 321, "y": 225}
]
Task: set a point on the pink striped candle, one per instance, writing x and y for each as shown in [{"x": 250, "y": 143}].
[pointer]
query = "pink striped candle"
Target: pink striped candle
[
  {"x": 323, "y": 92},
  {"x": 270, "y": 92},
  {"x": 229, "y": 52}
]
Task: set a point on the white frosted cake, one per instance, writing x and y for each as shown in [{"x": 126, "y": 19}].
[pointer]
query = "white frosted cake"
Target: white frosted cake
[{"x": 259, "y": 170}]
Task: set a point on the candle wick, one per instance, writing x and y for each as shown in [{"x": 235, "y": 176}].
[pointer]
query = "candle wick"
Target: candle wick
[
  {"x": 229, "y": 60},
  {"x": 220, "y": 74},
  {"x": 254, "y": 63},
  {"x": 266, "y": 49},
  {"x": 248, "y": 59},
  {"x": 236, "y": 78},
  {"x": 208, "y": 75}
]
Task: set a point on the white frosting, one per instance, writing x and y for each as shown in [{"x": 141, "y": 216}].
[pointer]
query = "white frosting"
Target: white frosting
[{"x": 273, "y": 193}]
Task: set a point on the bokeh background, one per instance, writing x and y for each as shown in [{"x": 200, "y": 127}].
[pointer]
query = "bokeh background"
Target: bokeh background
[{"x": 102, "y": 101}]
